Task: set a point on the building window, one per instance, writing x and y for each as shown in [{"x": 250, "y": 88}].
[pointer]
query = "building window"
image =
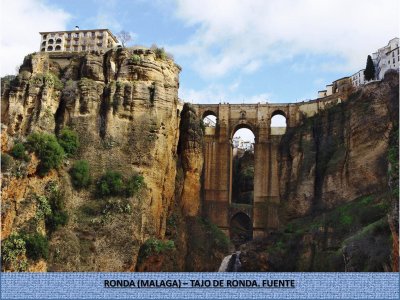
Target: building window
[
  {"x": 58, "y": 41},
  {"x": 44, "y": 43},
  {"x": 43, "y": 49},
  {"x": 45, "y": 36},
  {"x": 83, "y": 48},
  {"x": 58, "y": 48},
  {"x": 75, "y": 48},
  {"x": 50, "y": 48},
  {"x": 93, "y": 34},
  {"x": 393, "y": 60},
  {"x": 51, "y": 41}
]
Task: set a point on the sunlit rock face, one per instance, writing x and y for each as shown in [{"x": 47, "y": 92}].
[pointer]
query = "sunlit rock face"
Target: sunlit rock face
[{"x": 124, "y": 106}]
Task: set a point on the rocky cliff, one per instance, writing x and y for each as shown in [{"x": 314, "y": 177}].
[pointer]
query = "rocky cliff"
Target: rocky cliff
[
  {"x": 199, "y": 245},
  {"x": 337, "y": 172},
  {"x": 124, "y": 107}
]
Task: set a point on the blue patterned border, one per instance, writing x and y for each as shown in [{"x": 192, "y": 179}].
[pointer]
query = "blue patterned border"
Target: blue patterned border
[{"x": 307, "y": 286}]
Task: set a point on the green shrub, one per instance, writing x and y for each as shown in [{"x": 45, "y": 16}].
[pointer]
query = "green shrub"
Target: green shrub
[
  {"x": 53, "y": 80},
  {"x": 135, "y": 58},
  {"x": 156, "y": 246},
  {"x": 58, "y": 216},
  {"x": 48, "y": 150},
  {"x": 80, "y": 174},
  {"x": 55, "y": 220},
  {"x": 6, "y": 162},
  {"x": 43, "y": 209},
  {"x": 37, "y": 246},
  {"x": 133, "y": 185},
  {"x": 160, "y": 52},
  {"x": 69, "y": 141},
  {"x": 110, "y": 184},
  {"x": 13, "y": 250},
  {"x": 19, "y": 152}
]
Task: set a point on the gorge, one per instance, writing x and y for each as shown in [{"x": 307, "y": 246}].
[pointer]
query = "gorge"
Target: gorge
[{"x": 159, "y": 194}]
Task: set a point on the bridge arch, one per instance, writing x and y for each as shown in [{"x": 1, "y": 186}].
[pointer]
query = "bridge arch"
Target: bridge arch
[
  {"x": 278, "y": 122},
  {"x": 209, "y": 112},
  {"x": 244, "y": 124},
  {"x": 242, "y": 164},
  {"x": 240, "y": 228}
]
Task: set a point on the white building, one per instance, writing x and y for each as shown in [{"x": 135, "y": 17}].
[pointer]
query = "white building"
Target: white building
[
  {"x": 238, "y": 142},
  {"x": 357, "y": 78},
  {"x": 77, "y": 40},
  {"x": 386, "y": 58}
]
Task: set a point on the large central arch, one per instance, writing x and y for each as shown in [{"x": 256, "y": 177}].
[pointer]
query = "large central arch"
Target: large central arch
[{"x": 241, "y": 163}]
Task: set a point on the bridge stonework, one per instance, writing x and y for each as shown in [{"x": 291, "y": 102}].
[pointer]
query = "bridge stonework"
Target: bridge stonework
[{"x": 217, "y": 173}]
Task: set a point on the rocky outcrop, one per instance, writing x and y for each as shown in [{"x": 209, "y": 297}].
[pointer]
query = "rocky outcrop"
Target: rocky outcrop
[
  {"x": 190, "y": 151},
  {"x": 339, "y": 154},
  {"x": 124, "y": 106}
]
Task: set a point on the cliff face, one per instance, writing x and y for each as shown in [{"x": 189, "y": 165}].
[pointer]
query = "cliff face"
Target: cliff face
[
  {"x": 337, "y": 176},
  {"x": 124, "y": 106},
  {"x": 198, "y": 245},
  {"x": 339, "y": 154}
]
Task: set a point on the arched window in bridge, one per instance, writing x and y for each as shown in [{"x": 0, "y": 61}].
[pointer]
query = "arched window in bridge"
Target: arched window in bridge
[
  {"x": 278, "y": 123},
  {"x": 243, "y": 166},
  {"x": 240, "y": 229},
  {"x": 209, "y": 122}
]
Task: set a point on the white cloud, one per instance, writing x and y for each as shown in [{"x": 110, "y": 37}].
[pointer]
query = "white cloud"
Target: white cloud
[
  {"x": 219, "y": 93},
  {"x": 21, "y": 22},
  {"x": 242, "y": 35}
]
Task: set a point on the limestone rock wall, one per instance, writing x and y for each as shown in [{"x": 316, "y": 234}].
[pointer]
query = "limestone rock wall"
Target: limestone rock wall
[
  {"x": 190, "y": 150},
  {"x": 124, "y": 106},
  {"x": 339, "y": 154}
]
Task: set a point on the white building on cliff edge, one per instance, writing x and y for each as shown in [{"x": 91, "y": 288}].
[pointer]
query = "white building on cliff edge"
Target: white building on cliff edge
[
  {"x": 77, "y": 40},
  {"x": 386, "y": 58}
]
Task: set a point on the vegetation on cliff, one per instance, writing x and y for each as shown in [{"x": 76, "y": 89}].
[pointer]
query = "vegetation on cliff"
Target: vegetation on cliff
[
  {"x": 352, "y": 237},
  {"x": 47, "y": 148}
]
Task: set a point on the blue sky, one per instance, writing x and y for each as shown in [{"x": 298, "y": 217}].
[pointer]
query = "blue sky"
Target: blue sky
[{"x": 230, "y": 50}]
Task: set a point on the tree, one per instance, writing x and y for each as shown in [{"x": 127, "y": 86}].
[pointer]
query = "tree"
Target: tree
[
  {"x": 124, "y": 37},
  {"x": 369, "y": 72}
]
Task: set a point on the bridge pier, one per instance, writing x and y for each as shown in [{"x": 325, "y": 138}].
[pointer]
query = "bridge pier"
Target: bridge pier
[{"x": 217, "y": 197}]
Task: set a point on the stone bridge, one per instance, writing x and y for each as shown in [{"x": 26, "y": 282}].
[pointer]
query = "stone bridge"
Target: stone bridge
[{"x": 263, "y": 213}]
